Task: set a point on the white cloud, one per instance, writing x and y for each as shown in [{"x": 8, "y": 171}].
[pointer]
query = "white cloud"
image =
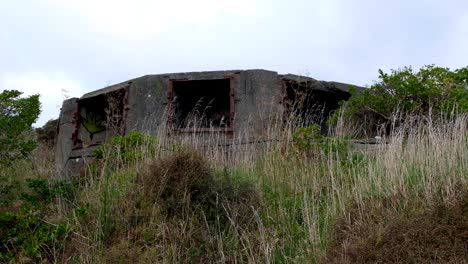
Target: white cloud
[
  {"x": 146, "y": 17},
  {"x": 53, "y": 89}
]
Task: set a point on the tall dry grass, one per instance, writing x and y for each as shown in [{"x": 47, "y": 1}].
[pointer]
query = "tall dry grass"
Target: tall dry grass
[{"x": 301, "y": 195}]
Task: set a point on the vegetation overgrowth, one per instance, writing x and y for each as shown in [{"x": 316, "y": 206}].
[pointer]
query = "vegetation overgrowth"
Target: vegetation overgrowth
[
  {"x": 307, "y": 198},
  {"x": 17, "y": 114},
  {"x": 429, "y": 92}
]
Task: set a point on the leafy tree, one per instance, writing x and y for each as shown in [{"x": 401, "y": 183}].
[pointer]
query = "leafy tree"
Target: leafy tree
[
  {"x": 16, "y": 117},
  {"x": 430, "y": 91},
  {"x": 46, "y": 134}
]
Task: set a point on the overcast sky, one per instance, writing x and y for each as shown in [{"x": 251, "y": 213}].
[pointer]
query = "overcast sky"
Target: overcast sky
[{"x": 65, "y": 48}]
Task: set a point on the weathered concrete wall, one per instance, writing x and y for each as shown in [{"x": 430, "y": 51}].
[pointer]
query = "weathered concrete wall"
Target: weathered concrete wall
[
  {"x": 64, "y": 144},
  {"x": 258, "y": 102}
]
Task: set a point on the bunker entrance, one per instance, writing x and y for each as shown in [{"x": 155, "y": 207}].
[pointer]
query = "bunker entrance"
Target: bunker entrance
[
  {"x": 202, "y": 105},
  {"x": 305, "y": 105},
  {"x": 98, "y": 118}
]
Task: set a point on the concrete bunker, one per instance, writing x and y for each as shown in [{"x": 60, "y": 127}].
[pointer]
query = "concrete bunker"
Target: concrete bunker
[{"x": 232, "y": 103}]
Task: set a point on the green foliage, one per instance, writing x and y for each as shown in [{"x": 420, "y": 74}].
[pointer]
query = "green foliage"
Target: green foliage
[
  {"x": 16, "y": 117},
  {"x": 23, "y": 228},
  {"x": 25, "y": 233},
  {"x": 309, "y": 141},
  {"x": 128, "y": 149},
  {"x": 304, "y": 137},
  {"x": 430, "y": 91},
  {"x": 44, "y": 190}
]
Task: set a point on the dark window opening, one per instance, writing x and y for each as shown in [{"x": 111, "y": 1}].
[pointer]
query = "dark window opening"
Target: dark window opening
[
  {"x": 99, "y": 117},
  {"x": 201, "y": 104},
  {"x": 307, "y": 105}
]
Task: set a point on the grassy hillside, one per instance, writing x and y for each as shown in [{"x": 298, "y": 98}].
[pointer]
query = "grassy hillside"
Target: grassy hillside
[{"x": 294, "y": 198}]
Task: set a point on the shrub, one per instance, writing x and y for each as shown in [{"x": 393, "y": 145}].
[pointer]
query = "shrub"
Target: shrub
[
  {"x": 184, "y": 183},
  {"x": 429, "y": 92},
  {"x": 127, "y": 149},
  {"x": 43, "y": 190},
  {"x": 310, "y": 142},
  {"x": 178, "y": 181},
  {"x": 24, "y": 232},
  {"x": 16, "y": 117},
  {"x": 304, "y": 137}
]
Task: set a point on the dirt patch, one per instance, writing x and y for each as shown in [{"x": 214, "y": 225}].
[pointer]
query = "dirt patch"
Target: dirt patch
[{"x": 435, "y": 235}]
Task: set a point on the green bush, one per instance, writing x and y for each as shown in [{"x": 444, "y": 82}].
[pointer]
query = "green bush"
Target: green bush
[
  {"x": 304, "y": 137},
  {"x": 402, "y": 93},
  {"x": 24, "y": 232},
  {"x": 127, "y": 149},
  {"x": 310, "y": 142},
  {"x": 16, "y": 117},
  {"x": 43, "y": 190}
]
